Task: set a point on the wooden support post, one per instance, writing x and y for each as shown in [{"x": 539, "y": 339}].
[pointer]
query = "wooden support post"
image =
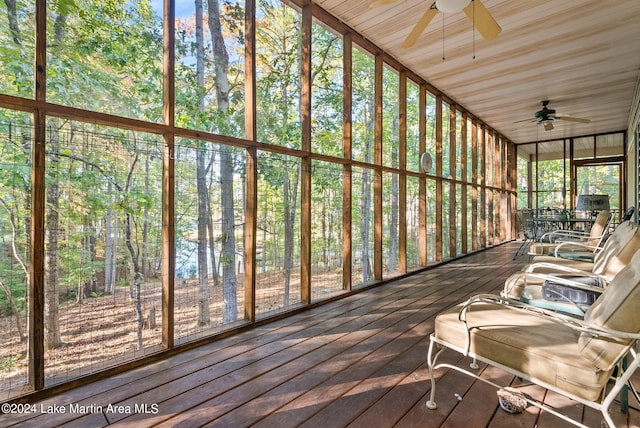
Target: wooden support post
[
  {"x": 453, "y": 171},
  {"x": 251, "y": 181},
  {"x": 168, "y": 180},
  {"x": 464, "y": 177},
  {"x": 305, "y": 202},
  {"x": 402, "y": 179},
  {"x": 377, "y": 173},
  {"x": 483, "y": 188},
  {"x": 439, "y": 177},
  {"x": 346, "y": 169},
  {"x": 422, "y": 189},
  {"x": 37, "y": 232},
  {"x": 474, "y": 187}
]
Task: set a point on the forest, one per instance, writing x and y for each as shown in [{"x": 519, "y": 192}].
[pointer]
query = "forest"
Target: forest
[{"x": 103, "y": 183}]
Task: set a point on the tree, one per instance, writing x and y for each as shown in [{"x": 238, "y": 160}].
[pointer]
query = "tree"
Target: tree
[
  {"x": 227, "y": 256},
  {"x": 278, "y": 35},
  {"x": 364, "y": 113}
]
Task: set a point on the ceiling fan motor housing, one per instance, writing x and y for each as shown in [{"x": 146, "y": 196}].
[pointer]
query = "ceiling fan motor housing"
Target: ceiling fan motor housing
[{"x": 545, "y": 113}]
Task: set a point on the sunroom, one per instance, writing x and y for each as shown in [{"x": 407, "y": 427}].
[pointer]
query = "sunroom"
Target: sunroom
[{"x": 179, "y": 176}]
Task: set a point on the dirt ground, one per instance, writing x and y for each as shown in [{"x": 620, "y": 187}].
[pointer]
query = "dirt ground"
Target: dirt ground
[{"x": 102, "y": 331}]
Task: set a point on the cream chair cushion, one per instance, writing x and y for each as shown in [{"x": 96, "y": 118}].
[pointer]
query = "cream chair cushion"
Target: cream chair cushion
[
  {"x": 534, "y": 345},
  {"x": 617, "y": 252},
  {"x": 618, "y": 308},
  {"x": 593, "y": 239}
]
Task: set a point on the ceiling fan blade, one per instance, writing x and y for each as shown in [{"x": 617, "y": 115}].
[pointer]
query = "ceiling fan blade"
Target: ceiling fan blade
[
  {"x": 573, "y": 119},
  {"x": 548, "y": 126},
  {"x": 524, "y": 123},
  {"x": 420, "y": 26},
  {"x": 482, "y": 20},
  {"x": 379, "y": 3}
]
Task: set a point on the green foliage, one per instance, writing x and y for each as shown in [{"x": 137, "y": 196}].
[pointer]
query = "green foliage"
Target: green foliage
[
  {"x": 7, "y": 363},
  {"x": 108, "y": 57}
]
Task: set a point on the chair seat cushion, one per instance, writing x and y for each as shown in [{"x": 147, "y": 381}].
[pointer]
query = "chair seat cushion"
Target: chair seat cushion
[
  {"x": 533, "y": 296},
  {"x": 617, "y": 309},
  {"x": 577, "y": 264},
  {"x": 542, "y": 349},
  {"x": 541, "y": 248},
  {"x": 581, "y": 256}
]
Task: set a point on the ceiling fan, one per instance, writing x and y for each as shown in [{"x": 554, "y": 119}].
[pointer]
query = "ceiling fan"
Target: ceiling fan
[
  {"x": 474, "y": 9},
  {"x": 547, "y": 115}
]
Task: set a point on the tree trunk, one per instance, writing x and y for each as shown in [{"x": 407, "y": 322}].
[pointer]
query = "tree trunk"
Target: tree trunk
[
  {"x": 203, "y": 280},
  {"x": 16, "y": 256},
  {"x": 365, "y": 218},
  {"x": 136, "y": 275},
  {"x": 110, "y": 251},
  {"x": 393, "y": 220},
  {"x": 12, "y": 17},
  {"x": 288, "y": 238},
  {"x": 325, "y": 241},
  {"x": 52, "y": 338},
  {"x": 211, "y": 233},
  {"x": 144, "y": 264},
  {"x": 204, "y": 317},
  {"x": 52, "y": 330},
  {"x": 14, "y": 310},
  {"x": 227, "y": 257},
  {"x": 228, "y": 253}
]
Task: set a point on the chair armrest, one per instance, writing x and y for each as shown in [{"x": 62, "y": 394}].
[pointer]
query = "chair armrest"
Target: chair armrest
[
  {"x": 557, "y": 267},
  {"x": 559, "y": 234},
  {"x": 571, "y": 322},
  {"x": 578, "y": 245}
]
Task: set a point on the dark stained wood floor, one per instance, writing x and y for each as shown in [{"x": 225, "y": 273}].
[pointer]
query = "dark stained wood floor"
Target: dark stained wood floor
[{"x": 357, "y": 362}]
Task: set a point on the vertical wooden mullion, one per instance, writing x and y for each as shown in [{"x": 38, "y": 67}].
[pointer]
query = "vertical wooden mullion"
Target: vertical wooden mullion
[
  {"x": 402, "y": 176},
  {"x": 513, "y": 167},
  {"x": 438, "y": 177},
  {"x": 503, "y": 200},
  {"x": 497, "y": 220},
  {"x": 573, "y": 191},
  {"x": 464, "y": 179},
  {"x": 251, "y": 182},
  {"x": 453, "y": 184},
  {"x": 346, "y": 169},
  {"x": 483, "y": 187},
  {"x": 377, "y": 184},
  {"x": 37, "y": 262},
  {"x": 422, "y": 189},
  {"x": 474, "y": 188},
  {"x": 305, "y": 203},
  {"x": 495, "y": 176},
  {"x": 168, "y": 178},
  {"x": 489, "y": 174},
  {"x": 536, "y": 178},
  {"x": 503, "y": 173}
]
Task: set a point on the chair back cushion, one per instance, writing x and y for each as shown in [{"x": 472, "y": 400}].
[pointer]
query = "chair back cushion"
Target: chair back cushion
[
  {"x": 618, "y": 309},
  {"x": 617, "y": 252},
  {"x": 599, "y": 228}
]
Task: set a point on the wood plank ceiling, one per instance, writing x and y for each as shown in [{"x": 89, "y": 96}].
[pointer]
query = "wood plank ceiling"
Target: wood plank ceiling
[{"x": 582, "y": 55}]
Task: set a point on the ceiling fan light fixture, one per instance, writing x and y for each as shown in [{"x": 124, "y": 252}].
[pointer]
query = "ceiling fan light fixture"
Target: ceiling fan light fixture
[
  {"x": 548, "y": 125},
  {"x": 451, "y": 6}
]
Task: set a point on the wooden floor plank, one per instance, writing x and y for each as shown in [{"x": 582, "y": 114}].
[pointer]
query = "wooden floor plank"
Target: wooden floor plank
[{"x": 351, "y": 325}]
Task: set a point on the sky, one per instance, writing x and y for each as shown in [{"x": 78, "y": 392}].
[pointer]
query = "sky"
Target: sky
[{"x": 183, "y": 7}]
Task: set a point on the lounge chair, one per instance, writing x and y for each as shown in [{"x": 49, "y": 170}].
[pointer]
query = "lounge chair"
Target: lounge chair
[
  {"x": 592, "y": 239},
  {"x": 572, "y": 357},
  {"x": 527, "y": 227},
  {"x": 617, "y": 252}
]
